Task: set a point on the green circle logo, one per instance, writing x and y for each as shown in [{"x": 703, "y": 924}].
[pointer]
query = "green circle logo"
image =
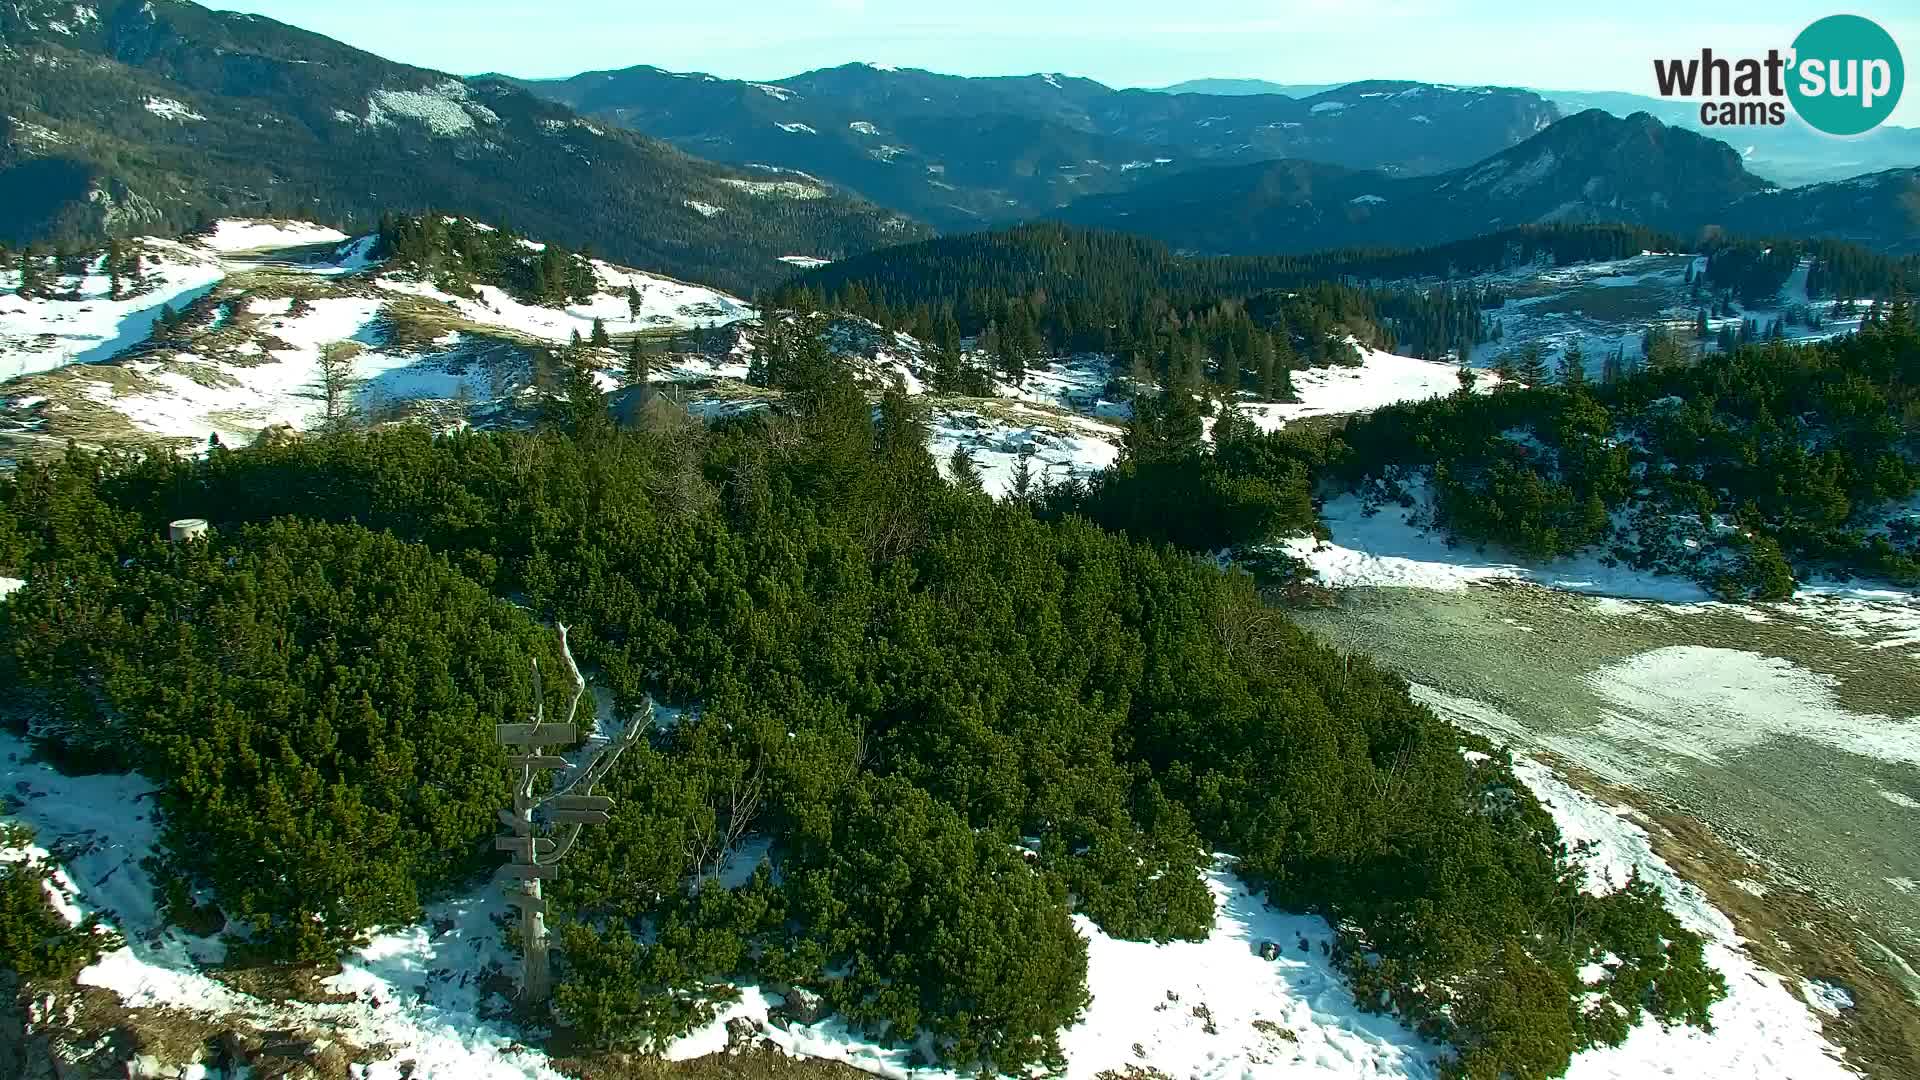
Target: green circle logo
[{"x": 1846, "y": 75}]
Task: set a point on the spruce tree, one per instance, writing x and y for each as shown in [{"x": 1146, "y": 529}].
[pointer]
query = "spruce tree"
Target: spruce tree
[
  {"x": 1021, "y": 489},
  {"x": 600, "y": 339},
  {"x": 633, "y": 303},
  {"x": 1507, "y": 368},
  {"x": 966, "y": 472},
  {"x": 29, "y": 272},
  {"x": 1263, "y": 361},
  {"x": 1573, "y": 366},
  {"x": 1532, "y": 366},
  {"x": 1467, "y": 376},
  {"x": 639, "y": 364}
]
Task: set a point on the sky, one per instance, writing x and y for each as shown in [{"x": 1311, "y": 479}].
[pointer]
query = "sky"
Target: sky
[{"x": 1537, "y": 43}]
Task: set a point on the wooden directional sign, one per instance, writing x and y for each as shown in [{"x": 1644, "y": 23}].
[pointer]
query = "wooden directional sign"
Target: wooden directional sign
[
  {"x": 536, "y": 734},
  {"x": 580, "y": 802},
  {"x": 528, "y": 904},
  {"x": 537, "y": 761},
  {"x": 579, "y": 817},
  {"x": 541, "y": 845},
  {"x": 508, "y": 818},
  {"x": 527, "y": 872}
]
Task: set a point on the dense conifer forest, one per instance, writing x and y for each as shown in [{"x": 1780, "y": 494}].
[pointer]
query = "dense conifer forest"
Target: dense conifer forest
[
  {"x": 1782, "y": 462},
  {"x": 896, "y": 682},
  {"x": 1243, "y": 322}
]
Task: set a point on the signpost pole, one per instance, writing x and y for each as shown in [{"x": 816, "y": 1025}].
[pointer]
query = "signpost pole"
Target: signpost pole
[{"x": 536, "y": 857}]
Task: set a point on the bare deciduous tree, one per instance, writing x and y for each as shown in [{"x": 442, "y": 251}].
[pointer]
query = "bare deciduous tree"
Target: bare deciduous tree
[
  {"x": 336, "y": 384},
  {"x": 731, "y": 813}
]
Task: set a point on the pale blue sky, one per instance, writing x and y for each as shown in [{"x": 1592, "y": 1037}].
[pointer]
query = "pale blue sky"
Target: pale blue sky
[{"x": 1543, "y": 43}]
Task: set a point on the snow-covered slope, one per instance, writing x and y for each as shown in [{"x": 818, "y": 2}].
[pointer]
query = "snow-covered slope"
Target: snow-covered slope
[
  {"x": 665, "y": 303},
  {"x": 83, "y": 323},
  {"x": 257, "y": 302},
  {"x": 1381, "y": 379},
  {"x": 1608, "y": 305},
  {"x": 238, "y": 235}
]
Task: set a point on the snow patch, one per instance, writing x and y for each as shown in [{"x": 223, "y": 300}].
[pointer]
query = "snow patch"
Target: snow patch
[
  {"x": 1826, "y": 998},
  {"x": 169, "y": 109},
  {"x": 863, "y": 128},
  {"x": 796, "y": 129},
  {"x": 447, "y": 108},
  {"x": 1056, "y": 447},
  {"x": 1391, "y": 546},
  {"x": 234, "y": 235},
  {"x": 1729, "y": 700},
  {"x": 663, "y": 303},
  {"x": 1899, "y": 799},
  {"x": 704, "y": 209},
  {"x": 786, "y": 189},
  {"x": 1381, "y": 379}
]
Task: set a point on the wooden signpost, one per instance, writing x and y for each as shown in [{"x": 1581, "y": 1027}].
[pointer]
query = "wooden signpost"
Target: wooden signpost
[{"x": 561, "y": 812}]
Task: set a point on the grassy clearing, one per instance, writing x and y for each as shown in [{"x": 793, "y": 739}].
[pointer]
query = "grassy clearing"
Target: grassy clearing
[
  {"x": 1610, "y": 303},
  {"x": 762, "y": 1062}
]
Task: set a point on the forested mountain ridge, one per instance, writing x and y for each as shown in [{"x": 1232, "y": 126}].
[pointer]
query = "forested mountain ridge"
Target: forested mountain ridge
[
  {"x": 122, "y": 117},
  {"x": 1795, "y": 153},
  {"x": 960, "y": 152},
  {"x": 1591, "y": 167},
  {"x": 1879, "y": 210}
]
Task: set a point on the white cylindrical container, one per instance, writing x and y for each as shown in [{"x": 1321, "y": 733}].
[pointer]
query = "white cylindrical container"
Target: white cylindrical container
[{"x": 187, "y": 529}]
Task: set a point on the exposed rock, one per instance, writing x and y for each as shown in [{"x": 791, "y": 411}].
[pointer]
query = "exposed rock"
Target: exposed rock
[
  {"x": 800, "y": 1006},
  {"x": 744, "y": 1034},
  {"x": 276, "y": 435}
]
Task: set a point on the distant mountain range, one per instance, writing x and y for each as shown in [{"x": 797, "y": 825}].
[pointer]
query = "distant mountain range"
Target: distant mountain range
[
  {"x": 1793, "y": 155},
  {"x": 966, "y": 152},
  {"x": 126, "y": 116},
  {"x": 1587, "y": 168}
]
